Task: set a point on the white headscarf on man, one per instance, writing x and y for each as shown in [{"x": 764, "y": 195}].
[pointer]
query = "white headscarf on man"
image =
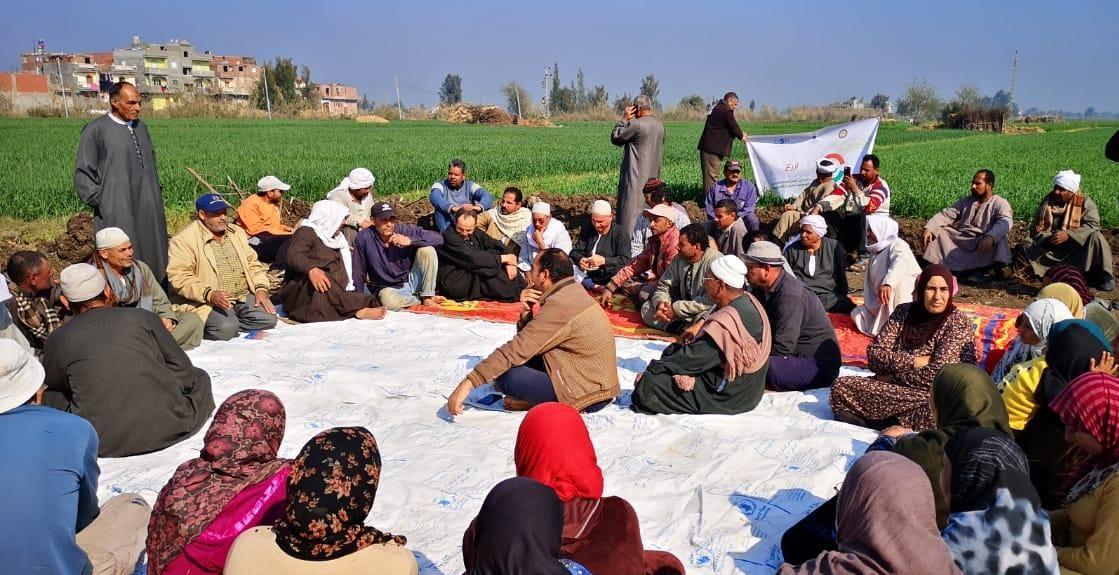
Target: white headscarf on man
[
  {"x": 326, "y": 220},
  {"x": 885, "y": 231}
]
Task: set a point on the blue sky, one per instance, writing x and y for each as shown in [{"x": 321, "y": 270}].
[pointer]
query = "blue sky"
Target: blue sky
[{"x": 777, "y": 53}]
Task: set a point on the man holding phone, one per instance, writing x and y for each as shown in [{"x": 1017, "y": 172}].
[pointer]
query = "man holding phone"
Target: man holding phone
[{"x": 640, "y": 134}]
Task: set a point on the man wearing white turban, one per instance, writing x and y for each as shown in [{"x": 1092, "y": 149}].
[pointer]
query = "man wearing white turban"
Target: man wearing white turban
[
  {"x": 355, "y": 191},
  {"x": 1066, "y": 230},
  {"x": 890, "y": 275},
  {"x": 721, "y": 367},
  {"x": 819, "y": 262},
  {"x": 973, "y": 234},
  {"x": 824, "y": 194}
]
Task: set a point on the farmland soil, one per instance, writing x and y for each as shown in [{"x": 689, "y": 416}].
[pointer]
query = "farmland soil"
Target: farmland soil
[{"x": 1014, "y": 291}]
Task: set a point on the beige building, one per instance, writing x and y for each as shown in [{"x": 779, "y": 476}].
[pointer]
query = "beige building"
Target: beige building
[
  {"x": 237, "y": 76},
  {"x": 338, "y": 99}
]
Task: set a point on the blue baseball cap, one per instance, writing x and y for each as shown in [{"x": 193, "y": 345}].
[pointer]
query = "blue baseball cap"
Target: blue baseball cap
[{"x": 211, "y": 203}]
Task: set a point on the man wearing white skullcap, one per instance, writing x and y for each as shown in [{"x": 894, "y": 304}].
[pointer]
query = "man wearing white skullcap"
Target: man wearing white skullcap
[
  {"x": 457, "y": 193},
  {"x": 820, "y": 263},
  {"x": 972, "y": 236},
  {"x": 720, "y": 366},
  {"x": 134, "y": 285},
  {"x": 120, "y": 369},
  {"x": 603, "y": 248},
  {"x": 823, "y": 195},
  {"x": 545, "y": 232},
  {"x": 355, "y": 191},
  {"x": 50, "y": 484},
  {"x": 1066, "y": 230}
]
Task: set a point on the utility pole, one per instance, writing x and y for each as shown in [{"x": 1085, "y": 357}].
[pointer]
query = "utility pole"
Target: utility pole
[
  {"x": 517, "y": 91},
  {"x": 267, "y": 97},
  {"x": 399, "y": 109},
  {"x": 547, "y": 90},
  {"x": 62, "y": 84},
  {"x": 1013, "y": 79}
]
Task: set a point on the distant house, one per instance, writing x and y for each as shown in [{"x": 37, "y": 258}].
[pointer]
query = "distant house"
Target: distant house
[{"x": 338, "y": 99}]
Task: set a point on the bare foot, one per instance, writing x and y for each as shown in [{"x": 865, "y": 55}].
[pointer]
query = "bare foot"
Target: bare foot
[
  {"x": 370, "y": 313},
  {"x": 515, "y": 404},
  {"x": 433, "y": 301}
]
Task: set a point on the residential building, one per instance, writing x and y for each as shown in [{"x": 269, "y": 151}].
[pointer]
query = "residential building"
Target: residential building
[
  {"x": 338, "y": 99},
  {"x": 163, "y": 71},
  {"x": 237, "y": 76}
]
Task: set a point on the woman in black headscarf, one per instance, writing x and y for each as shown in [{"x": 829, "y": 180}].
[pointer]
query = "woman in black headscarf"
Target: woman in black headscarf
[
  {"x": 519, "y": 531},
  {"x": 330, "y": 492}
]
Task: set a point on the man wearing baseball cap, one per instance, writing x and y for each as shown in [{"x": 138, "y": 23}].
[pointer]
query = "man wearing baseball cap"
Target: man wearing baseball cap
[
  {"x": 120, "y": 369},
  {"x": 742, "y": 192},
  {"x": 805, "y": 352},
  {"x": 215, "y": 273},
  {"x": 259, "y": 215},
  {"x": 50, "y": 485},
  {"x": 396, "y": 262},
  {"x": 638, "y": 279},
  {"x": 721, "y": 366}
]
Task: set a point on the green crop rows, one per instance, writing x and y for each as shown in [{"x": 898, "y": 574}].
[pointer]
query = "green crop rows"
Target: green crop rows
[{"x": 925, "y": 169}]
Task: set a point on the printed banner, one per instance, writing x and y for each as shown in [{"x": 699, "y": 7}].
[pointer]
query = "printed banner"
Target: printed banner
[{"x": 786, "y": 164}]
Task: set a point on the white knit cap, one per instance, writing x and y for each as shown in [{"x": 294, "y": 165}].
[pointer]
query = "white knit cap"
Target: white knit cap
[
  {"x": 817, "y": 222},
  {"x": 21, "y": 375},
  {"x": 110, "y": 238},
  {"x": 601, "y": 208},
  {"x": 361, "y": 178},
  {"x": 730, "y": 270},
  {"x": 542, "y": 208},
  {"x": 827, "y": 165},
  {"x": 81, "y": 282},
  {"x": 1067, "y": 180}
]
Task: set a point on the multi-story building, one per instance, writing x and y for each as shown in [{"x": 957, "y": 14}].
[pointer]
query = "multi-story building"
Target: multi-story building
[
  {"x": 165, "y": 70},
  {"x": 338, "y": 99},
  {"x": 237, "y": 76}
]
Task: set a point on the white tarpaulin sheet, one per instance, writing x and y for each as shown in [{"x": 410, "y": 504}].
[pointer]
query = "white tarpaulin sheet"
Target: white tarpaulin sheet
[
  {"x": 786, "y": 163},
  {"x": 718, "y": 491}
]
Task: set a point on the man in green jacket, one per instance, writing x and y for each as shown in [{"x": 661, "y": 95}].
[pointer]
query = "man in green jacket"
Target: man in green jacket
[{"x": 680, "y": 299}]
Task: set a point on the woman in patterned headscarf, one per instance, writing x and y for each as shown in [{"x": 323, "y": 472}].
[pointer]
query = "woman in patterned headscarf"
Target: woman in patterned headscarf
[
  {"x": 1085, "y": 531},
  {"x": 329, "y": 494},
  {"x": 237, "y": 482},
  {"x": 1033, "y": 330}
]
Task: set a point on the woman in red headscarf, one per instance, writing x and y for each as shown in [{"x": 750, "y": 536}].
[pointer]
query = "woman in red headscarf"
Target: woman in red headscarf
[
  {"x": 1086, "y": 532},
  {"x": 920, "y": 338},
  {"x": 600, "y": 533}
]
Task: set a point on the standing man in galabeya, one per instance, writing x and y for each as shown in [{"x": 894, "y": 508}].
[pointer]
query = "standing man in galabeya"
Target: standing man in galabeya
[{"x": 115, "y": 174}]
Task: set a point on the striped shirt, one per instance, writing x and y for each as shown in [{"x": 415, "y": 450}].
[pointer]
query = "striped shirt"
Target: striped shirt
[{"x": 231, "y": 273}]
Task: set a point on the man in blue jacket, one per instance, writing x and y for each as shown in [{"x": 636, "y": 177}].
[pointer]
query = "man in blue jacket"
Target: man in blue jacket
[
  {"x": 48, "y": 490},
  {"x": 457, "y": 193},
  {"x": 396, "y": 262}
]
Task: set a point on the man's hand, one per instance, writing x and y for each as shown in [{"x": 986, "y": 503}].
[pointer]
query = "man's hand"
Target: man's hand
[
  {"x": 508, "y": 259},
  {"x": 665, "y": 312},
  {"x": 885, "y": 294},
  {"x": 597, "y": 261},
  {"x": 1059, "y": 238},
  {"x": 367, "y": 222},
  {"x": 689, "y": 333},
  {"x": 926, "y": 238},
  {"x": 1106, "y": 364},
  {"x": 815, "y": 211},
  {"x": 220, "y": 300},
  {"x": 745, "y": 137},
  {"x": 789, "y": 207},
  {"x": 264, "y": 301},
  {"x": 538, "y": 237},
  {"x": 921, "y": 361},
  {"x": 400, "y": 240},
  {"x": 168, "y": 323},
  {"x": 585, "y": 264},
  {"x": 468, "y": 207},
  {"x": 510, "y": 272},
  {"x": 684, "y": 382},
  {"x": 319, "y": 280},
  {"x": 896, "y": 431},
  {"x": 605, "y": 299},
  {"x": 458, "y": 397},
  {"x": 630, "y": 113},
  {"x": 850, "y": 184},
  {"x": 529, "y": 297},
  {"x": 986, "y": 244}
]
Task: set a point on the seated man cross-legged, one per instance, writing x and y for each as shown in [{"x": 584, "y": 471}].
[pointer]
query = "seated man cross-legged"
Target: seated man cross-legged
[
  {"x": 396, "y": 262},
  {"x": 562, "y": 352},
  {"x": 819, "y": 263},
  {"x": 722, "y": 369},
  {"x": 473, "y": 265},
  {"x": 680, "y": 300},
  {"x": 603, "y": 248},
  {"x": 973, "y": 234},
  {"x": 805, "y": 352},
  {"x": 215, "y": 273}
]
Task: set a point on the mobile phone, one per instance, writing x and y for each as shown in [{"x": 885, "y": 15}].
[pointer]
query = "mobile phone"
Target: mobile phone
[
  {"x": 491, "y": 399},
  {"x": 847, "y": 171}
]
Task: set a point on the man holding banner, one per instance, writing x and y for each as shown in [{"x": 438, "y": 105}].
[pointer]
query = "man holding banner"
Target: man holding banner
[{"x": 717, "y": 140}]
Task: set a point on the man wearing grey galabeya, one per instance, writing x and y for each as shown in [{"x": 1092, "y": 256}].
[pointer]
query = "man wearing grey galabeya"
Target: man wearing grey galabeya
[{"x": 641, "y": 136}]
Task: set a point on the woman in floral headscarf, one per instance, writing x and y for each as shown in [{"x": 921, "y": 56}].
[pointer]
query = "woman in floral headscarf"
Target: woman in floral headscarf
[
  {"x": 329, "y": 494},
  {"x": 237, "y": 482}
]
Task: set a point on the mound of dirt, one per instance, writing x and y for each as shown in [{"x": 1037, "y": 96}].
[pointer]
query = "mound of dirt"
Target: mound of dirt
[
  {"x": 535, "y": 122},
  {"x": 371, "y": 119},
  {"x": 471, "y": 114},
  {"x": 75, "y": 244}
]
